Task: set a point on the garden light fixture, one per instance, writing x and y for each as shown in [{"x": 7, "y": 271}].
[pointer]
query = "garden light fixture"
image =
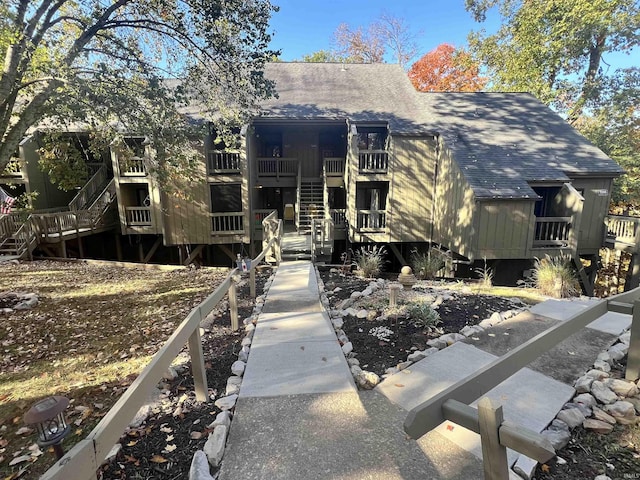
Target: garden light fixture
[{"x": 48, "y": 417}]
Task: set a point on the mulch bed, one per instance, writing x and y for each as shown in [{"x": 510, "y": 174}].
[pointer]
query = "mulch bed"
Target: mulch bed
[
  {"x": 148, "y": 451},
  {"x": 377, "y": 355}
]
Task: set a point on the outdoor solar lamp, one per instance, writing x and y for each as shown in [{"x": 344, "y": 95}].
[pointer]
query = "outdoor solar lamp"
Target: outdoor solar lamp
[{"x": 48, "y": 417}]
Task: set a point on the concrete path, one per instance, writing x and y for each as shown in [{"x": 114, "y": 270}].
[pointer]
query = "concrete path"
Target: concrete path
[{"x": 299, "y": 414}]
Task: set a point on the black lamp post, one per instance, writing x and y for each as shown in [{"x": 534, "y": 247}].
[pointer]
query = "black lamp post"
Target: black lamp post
[{"x": 48, "y": 417}]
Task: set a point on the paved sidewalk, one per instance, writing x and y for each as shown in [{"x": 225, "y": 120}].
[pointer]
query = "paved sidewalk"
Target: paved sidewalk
[{"x": 299, "y": 414}]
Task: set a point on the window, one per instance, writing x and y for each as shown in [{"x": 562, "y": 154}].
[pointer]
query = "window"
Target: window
[
  {"x": 372, "y": 138},
  {"x": 226, "y": 198}
]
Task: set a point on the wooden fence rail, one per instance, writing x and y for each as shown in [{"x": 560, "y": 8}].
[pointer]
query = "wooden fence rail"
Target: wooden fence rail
[
  {"x": 82, "y": 461},
  {"x": 432, "y": 412}
]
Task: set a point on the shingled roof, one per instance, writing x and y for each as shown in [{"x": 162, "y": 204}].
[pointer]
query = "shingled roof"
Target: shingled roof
[
  {"x": 503, "y": 141},
  {"x": 357, "y": 92}
]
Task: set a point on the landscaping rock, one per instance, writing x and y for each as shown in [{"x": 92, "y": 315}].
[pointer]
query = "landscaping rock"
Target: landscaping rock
[
  {"x": 586, "y": 411},
  {"x": 404, "y": 365},
  {"x": 347, "y": 348},
  {"x": 338, "y": 322},
  {"x": 625, "y": 338},
  {"x": 618, "y": 351},
  {"x": 362, "y": 313},
  {"x": 226, "y": 403},
  {"x": 356, "y": 295},
  {"x": 416, "y": 356},
  {"x": 597, "y": 426},
  {"x": 237, "y": 368},
  {"x": 451, "y": 338},
  {"x": 621, "y": 387},
  {"x": 571, "y": 416},
  {"x": 602, "y": 365},
  {"x": 603, "y": 393},
  {"x": 525, "y": 467},
  {"x": 214, "y": 448},
  {"x": 391, "y": 371},
  {"x": 471, "y": 330},
  {"x": 585, "y": 399},
  {"x": 113, "y": 453},
  {"x": 624, "y": 412},
  {"x": 199, "y": 469},
  {"x": 353, "y": 361},
  {"x": 583, "y": 384},
  {"x": 437, "y": 343},
  {"x": 603, "y": 416},
  {"x": 223, "y": 418},
  {"x": 597, "y": 374},
  {"x": 243, "y": 355},
  {"x": 367, "y": 380}
]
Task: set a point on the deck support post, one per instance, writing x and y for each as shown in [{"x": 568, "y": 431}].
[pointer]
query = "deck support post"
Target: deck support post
[
  {"x": 252, "y": 281},
  {"x": 633, "y": 277},
  {"x": 116, "y": 239}
]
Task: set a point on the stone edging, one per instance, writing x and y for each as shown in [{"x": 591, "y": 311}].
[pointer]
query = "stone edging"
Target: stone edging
[{"x": 367, "y": 380}]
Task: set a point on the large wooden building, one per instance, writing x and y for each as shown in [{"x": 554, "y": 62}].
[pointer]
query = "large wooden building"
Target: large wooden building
[{"x": 485, "y": 175}]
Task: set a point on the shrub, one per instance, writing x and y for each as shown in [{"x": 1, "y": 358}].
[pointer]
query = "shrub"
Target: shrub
[
  {"x": 486, "y": 274},
  {"x": 555, "y": 276},
  {"x": 422, "y": 315},
  {"x": 426, "y": 265},
  {"x": 369, "y": 261}
]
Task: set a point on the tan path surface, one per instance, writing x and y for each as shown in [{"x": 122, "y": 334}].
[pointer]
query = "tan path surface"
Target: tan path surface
[{"x": 299, "y": 414}]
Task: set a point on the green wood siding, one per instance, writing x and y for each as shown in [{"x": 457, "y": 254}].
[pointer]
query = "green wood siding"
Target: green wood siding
[
  {"x": 412, "y": 165},
  {"x": 504, "y": 228},
  {"x": 455, "y": 208},
  {"x": 597, "y": 195}
]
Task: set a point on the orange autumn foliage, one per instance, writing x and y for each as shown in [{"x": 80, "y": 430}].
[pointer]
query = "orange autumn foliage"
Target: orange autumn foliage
[{"x": 446, "y": 69}]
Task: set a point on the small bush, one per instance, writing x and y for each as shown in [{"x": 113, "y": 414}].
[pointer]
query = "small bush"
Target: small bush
[
  {"x": 555, "y": 276},
  {"x": 422, "y": 315},
  {"x": 426, "y": 265},
  {"x": 369, "y": 261},
  {"x": 486, "y": 274}
]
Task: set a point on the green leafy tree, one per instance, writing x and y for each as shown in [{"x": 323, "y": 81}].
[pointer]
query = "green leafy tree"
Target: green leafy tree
[
  {"x": 104, "y": 66},
  {"x": 322, "y": 56},
  {"x": 543, "y": 46}
]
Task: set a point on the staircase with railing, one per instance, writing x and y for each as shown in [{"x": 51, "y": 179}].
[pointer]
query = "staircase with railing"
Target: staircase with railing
[
  {"x": 311, "y": 203},
  {"x": 88, "y": 192}
]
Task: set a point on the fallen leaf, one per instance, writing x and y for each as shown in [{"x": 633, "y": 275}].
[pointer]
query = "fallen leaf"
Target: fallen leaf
[
  {"x": 132, "y": 443},
  {"x": 3, "y": 442},
  {"x": 165, "y": 429},
  {"x": 158, "y": 459},
  {"x": 545, "y": 468},
  {"x": 24, "y": 431},
  {"x": 169, "y": 438},
  {"x": 170, "y": 448},
  {"x": 195, "y": 435},
  {"x": 399, "y": 385},
  {"x": 450, "y": 427},
  {"x": 132, "y": 459},
  {"x": 20, "y": 459}
]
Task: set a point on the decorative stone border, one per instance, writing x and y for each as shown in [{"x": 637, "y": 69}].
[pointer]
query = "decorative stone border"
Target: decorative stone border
[
  {"x": 600, "y": 402},
  {"x": 367, "y": 380}
]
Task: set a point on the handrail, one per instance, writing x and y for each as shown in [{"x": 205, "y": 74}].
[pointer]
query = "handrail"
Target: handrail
[
  {"x": 82, "y": 461},
  {"x": 223, "y": 161},
  {"x": 86, "y": 193},
  {"x": 373, "y": 161},
  {"x": 429, "y": 414},
  {"x": 625, "y": 229},
  {"x": 552, "y": 231},
  {"x": 298, "y": 197}
]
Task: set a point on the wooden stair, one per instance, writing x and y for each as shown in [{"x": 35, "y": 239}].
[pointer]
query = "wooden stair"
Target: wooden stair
[{"x": 311, "y": 203}]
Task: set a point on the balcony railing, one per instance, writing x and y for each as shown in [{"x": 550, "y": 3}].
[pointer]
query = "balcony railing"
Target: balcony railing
[
  {"x": 277, "y": 167},
  {"x": 373, "y": 161},
  {"x": 334, "y": 167},
  {"x": 219, "y": 162},
  {"x": 338, "y": 215},
  {"x": 227, "y": 222},
  {"x": 138, "y": 216},
  {"x": 624, "y": 232},
  {"x": 13, "y": 168},
  {"x": 372, "y": 220},
  {"x": 133, "y": 167},
  {"x": 552, "y": 232}
]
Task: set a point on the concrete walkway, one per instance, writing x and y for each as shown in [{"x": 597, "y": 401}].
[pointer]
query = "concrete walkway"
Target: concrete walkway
[{"x": 300, "y": 415}]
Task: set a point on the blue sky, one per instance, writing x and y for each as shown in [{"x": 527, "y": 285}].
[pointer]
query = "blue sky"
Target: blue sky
[{"x": 306, "y": 26}]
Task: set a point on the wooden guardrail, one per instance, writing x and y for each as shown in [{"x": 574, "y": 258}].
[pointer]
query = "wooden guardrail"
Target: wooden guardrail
[
  {"x": 432, "y": 412},
  {"x": 82, "y": 461}
]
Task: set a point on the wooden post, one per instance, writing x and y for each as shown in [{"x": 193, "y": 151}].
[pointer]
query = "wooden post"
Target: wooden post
[
  {"x": 494, "y": 455},
  {"x": 197, "y": 366},
  {"x": 233, "y": 305},
  {"x": 633, "y": 359},
  {"x": 633, "y": 275},
  {"x": 252, "y": 280},
  {"x": 116, "y": 238}
]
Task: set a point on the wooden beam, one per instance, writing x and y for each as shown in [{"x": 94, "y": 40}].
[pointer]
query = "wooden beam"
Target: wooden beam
[
  {"x": 228, "y": 252},
  {"x": 194, "y": 254},
  {"x": 153, "y": 249},
  {"x": 198, "y": 369},
  {"x": 494, "y": 454},
  {"x": 397, "y": 253},
  {"x": 633, "y": 357}
]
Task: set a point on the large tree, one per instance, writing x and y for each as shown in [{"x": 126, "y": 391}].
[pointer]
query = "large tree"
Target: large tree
[
  {"x": 388, "y": 35},
  {"x": 105, "y": 64},
  {"x": 555, "y": 49},
  {"x": 446, "y": 69}
]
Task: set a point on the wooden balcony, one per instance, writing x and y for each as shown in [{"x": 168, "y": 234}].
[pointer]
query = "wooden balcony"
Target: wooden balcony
[
  {"x": 334, "y": 166},
  {"x": 371, "y": 220},
  {"x": 373, "y": 161},
  {"x": 338, "y": 215},
  {"x": 552, "y": 232},
  {"x": 220, "y": 163},
  {"x": 623, "y": 233},
  {"x": 229, "y": 223},
  {"x": 13, "y": 169},
  {"x": 138, "y": 217},
  {"x": 277, "y": 167},
  {"x": 134, "y": 167}
]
